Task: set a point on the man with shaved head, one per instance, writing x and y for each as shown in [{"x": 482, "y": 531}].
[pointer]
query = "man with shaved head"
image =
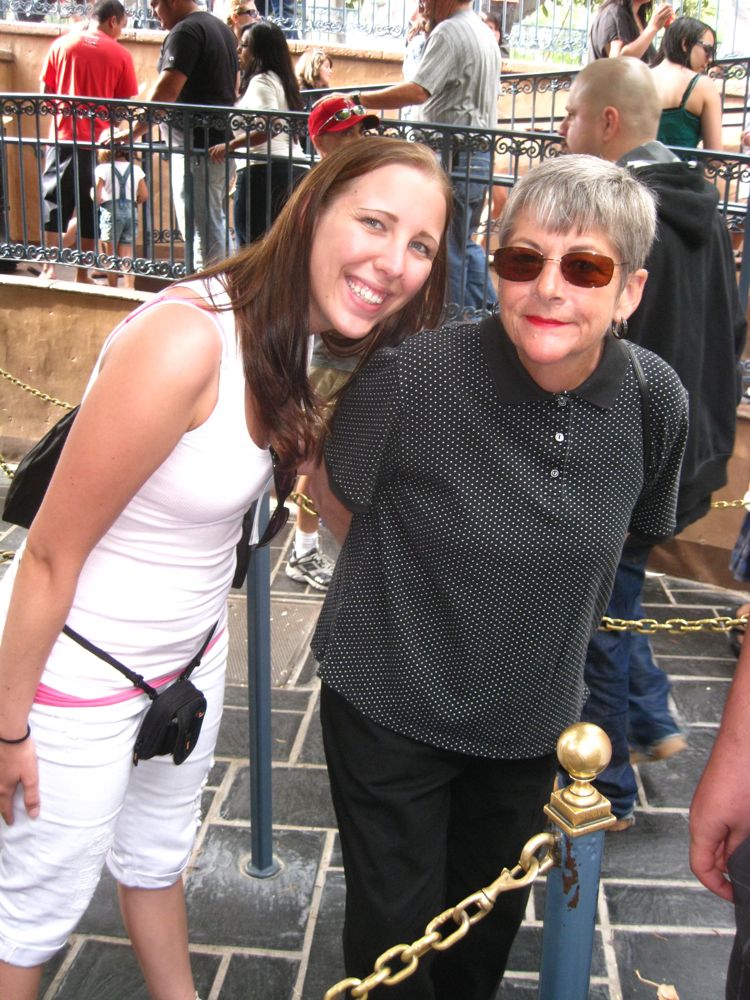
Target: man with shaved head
[{"x": 690, "y": 316}]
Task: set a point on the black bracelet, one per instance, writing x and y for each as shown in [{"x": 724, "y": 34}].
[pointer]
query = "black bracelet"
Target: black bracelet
[{"x": 21, "y": 740}]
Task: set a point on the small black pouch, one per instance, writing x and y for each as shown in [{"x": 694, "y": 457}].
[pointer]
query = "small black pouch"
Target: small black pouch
[{"x": 173, "y": 723}]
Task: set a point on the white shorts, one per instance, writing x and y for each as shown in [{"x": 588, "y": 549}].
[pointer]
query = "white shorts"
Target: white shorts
[{"x": 96, "y": 807}]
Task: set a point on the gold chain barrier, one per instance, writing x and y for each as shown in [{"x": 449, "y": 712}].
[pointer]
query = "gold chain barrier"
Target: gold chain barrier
[
  {"x": 464, "y": 915},
  {"x": 648, "y": 626},
  {"x": 6, "y": 468},
  {"x": 35, "y": 392},
  {"x": 40, "y": 395}
]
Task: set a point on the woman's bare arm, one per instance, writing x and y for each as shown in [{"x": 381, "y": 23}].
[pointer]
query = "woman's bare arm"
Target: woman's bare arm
[{"x": 159, "y": 379}]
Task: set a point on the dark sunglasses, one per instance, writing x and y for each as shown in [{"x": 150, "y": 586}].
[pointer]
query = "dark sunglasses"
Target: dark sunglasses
[
  {"x": 581, "y": 268},
  {"x": 283, "y": 482},
  {"x": 710, "y": 50},
  {"x": 250, "y": 13}
]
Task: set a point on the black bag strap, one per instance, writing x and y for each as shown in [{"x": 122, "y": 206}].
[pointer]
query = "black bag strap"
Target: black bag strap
[
  {"x": 131, "y": 675},
  {"x": 645, "y": 410}
]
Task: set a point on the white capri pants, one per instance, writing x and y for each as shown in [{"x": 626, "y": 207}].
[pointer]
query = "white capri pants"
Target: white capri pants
[{"x": 96, "y": 807}]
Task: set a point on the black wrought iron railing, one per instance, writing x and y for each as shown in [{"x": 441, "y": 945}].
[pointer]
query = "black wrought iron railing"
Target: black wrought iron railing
[
  {"x": 531, "y": 101},
  {"x": 163, "y": 139}
]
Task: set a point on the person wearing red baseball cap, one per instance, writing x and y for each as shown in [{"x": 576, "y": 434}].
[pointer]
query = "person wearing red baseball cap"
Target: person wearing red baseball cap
[{"x": 335, "y": 119}]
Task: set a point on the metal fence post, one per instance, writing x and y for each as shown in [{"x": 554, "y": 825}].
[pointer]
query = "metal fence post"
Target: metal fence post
[
  {"x": 582, "y": 814},
  {"x": 262, "y": 862}
]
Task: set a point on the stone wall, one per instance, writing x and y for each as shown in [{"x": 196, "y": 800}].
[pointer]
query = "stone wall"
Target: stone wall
[
  {"x": 50, "y": 336},
  {"x": 28, "y": 43}
]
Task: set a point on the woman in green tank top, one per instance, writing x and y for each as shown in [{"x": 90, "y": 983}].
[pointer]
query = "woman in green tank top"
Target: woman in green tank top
[{"x": 691, "y": 103}]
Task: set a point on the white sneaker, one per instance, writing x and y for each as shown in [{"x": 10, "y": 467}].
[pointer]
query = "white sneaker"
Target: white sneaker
[{"x": 313, "y": 568}]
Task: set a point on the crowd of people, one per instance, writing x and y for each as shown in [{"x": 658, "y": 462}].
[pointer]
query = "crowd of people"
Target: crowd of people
[
  {"x": 244, "y": 61},
  {"x": 442, "y": 696},
  {"x": 689, "y": 101}
]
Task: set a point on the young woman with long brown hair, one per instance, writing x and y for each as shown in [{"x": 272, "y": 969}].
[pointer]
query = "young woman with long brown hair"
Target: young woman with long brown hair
[{"x": 200, "y": 399}]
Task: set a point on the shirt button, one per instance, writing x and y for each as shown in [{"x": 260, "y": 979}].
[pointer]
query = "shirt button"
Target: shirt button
[
  {"x": 562, "y": 400},
  {"x": 559, "y": 436},
  {"x": 555, "y": 473}
]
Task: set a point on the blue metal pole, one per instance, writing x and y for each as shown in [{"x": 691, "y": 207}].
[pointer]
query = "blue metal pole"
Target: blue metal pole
[
  {"x": 262, "y": 863},
  {"x": 569, "y": 918},
  {"x": 581, "y": 814}
]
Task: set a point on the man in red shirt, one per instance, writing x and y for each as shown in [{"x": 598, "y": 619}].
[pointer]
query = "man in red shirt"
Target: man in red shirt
[{"x": 83, "y": 64}]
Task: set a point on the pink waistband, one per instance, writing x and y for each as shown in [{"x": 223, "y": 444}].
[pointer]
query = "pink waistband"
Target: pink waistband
[{"x": 57, "y": 699}]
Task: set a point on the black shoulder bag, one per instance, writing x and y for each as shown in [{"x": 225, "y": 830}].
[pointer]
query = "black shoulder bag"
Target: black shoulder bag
[
  {"x": 31, "y": 478},
  {"x": 173, "y": 723}
]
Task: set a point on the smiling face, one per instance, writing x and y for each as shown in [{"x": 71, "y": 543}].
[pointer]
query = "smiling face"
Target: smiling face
[
  {"x": 373, "y": 249},
  {"x": 700, "y": 56},
  {"x": 557, "y": 328}
]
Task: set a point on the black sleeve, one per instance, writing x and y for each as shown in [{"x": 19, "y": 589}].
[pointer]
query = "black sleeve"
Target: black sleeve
[
  {"x": 182, "y": 50},
  {"x": 361, "y": 452}
]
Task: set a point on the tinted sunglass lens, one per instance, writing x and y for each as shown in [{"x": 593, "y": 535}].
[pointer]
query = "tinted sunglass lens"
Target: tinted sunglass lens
[
  {"x": 587, "y": 270},
  {"x": 516, "y": 264}
]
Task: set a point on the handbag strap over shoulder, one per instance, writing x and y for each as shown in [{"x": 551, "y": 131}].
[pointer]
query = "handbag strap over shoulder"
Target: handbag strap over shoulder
[
  {"x": 645, "y": 409},
  {"x": 131, "y": 675}
]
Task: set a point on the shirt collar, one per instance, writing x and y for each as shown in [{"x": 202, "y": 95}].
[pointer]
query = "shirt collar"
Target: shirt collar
[{"x": 515, "y": 385}]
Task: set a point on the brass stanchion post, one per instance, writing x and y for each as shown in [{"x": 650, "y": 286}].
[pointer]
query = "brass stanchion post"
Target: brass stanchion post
[{"x": 582, "y": 814}]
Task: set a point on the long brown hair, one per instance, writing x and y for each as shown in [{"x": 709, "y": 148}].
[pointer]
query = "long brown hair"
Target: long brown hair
[{"x": 268, "y": 284}]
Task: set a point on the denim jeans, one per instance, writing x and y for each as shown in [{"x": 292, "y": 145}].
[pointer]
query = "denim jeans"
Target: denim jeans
[
  {"x": 118, "y": 222},
  {"x": 209, "y": 236},
  {"x": 469, "y": 284},
  {"x": 628, "y": 693}
]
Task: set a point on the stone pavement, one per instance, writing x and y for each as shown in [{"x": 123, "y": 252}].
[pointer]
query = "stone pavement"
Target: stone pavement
[{"x": 278, "y": 939}]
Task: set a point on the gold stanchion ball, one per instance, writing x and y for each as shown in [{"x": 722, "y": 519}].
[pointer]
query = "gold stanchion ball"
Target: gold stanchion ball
[{"x": 584, "y": 750}]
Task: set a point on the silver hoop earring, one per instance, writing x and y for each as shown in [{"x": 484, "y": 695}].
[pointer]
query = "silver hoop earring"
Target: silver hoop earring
[{"x": 619, "y": 328}]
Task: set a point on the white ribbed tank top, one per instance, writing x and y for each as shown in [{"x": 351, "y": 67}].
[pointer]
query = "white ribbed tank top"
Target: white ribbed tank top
[{"x": 158, "y": 579}]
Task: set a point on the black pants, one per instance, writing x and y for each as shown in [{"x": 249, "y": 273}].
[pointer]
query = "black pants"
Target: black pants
[
  {"x": 66, "y": 188},
  {"x": 421, "y": 829},
  {"x": 260, "y": 195}
]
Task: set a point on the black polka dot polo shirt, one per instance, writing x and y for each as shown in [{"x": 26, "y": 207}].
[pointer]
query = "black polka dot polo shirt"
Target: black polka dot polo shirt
[{"x": 489, "y": 516}]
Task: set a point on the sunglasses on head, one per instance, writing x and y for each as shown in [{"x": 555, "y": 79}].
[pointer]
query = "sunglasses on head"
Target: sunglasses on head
[
  {"x": 283, "y": 483},
  {"x": 581, "y": 268},
  {"x": 344, "y": 114}
]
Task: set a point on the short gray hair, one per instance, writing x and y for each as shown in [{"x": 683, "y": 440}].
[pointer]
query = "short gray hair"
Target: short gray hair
[{"x": 584, "y": 193}]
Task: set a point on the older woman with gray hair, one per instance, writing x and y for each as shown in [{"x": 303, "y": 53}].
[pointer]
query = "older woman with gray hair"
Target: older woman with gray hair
[{"x": 482, "y": 479}]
